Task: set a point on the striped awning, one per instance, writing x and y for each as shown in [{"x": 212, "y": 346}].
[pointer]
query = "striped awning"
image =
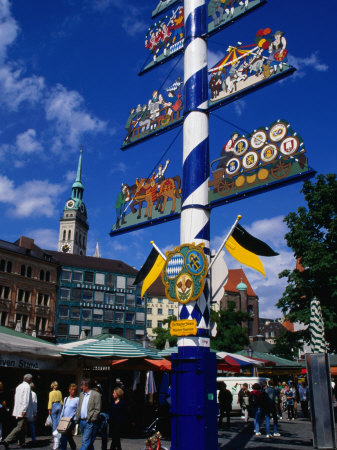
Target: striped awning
[
  {"x": 112, "y": 347},
  {"x": 317, "y": 339}
]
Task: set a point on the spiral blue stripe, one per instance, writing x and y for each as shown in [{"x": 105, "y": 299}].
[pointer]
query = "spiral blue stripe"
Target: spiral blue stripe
[
  {"x": 197, "y": 85},
  {"x": 195, "y": 24},
  {"x": 194, "y": 170}
]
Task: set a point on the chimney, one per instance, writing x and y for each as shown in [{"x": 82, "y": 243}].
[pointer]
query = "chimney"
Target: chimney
[{"x": 26, "y": 242}]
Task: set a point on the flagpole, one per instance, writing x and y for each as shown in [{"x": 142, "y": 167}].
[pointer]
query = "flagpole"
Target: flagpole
[
  {"x": 224, "y": 241},
  {"x": 158, "y": 250}
]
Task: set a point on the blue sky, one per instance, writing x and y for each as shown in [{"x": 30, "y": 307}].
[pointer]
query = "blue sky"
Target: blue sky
[{"x": 68, "y": 77}]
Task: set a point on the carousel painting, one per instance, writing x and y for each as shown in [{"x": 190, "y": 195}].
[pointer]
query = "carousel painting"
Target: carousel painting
[
  {"x": 162, "y": 112},
  {"x": 163, "y": 6},
  {"x": 222, "y": 13},
  {"x": 148, "y": 200},
  {"x": 247, "y": 67},
  {"x": 165, "y": 38},
  {"x": 268, "y": 156}
]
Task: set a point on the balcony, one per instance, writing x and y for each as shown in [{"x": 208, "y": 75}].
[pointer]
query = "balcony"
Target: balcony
[
  {"x": 42, "y": 311},
  {"x": 23, "y": 308},
  {"x": 5, "y": 304}
]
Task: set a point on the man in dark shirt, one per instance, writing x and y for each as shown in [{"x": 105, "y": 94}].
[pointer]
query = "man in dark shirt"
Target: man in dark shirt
[{"x": 225, "y": 400}]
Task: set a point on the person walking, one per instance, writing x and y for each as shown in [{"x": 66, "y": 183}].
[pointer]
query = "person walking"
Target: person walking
[
  {"x": 55, "y": 403},
  {"x": 304, "y": 397},
  {"x": 117, "y": 418},
  {"x": 284, "y": 391},
  {"x": 290, "y": 404},
  {"x": 243, "y": 400},
  {"x": 225, "y": 399},
  {"x": 23, "y": 410},
  {"x": 3, "y": 409},
  {"x": 32, "y": 420},
  {"x": 70, "y": 405},
  {"x": 87, "y": 414},
  {"x": 278, "y": 389},
  {"x": 255, "y": 407},
  {"x": 273, "y": 402}
]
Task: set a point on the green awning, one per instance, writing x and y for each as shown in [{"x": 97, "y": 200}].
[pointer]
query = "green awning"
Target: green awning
[{"x": 280, "y": 362}]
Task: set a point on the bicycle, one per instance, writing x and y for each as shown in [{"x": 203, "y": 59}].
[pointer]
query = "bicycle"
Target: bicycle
[{"x": 154, "y": 443}]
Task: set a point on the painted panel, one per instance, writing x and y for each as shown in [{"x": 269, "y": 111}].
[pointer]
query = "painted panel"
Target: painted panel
[
  {"x": 223, "y": 13},
  {"x": 163, "y": 6},
  {"x": 247, "y": 67},
  {"x": 148, "y": 201},
  {"x": 165, "y": 38},
  {"x": 265, "y": 157},
  {"x": 162, "y": 112}
]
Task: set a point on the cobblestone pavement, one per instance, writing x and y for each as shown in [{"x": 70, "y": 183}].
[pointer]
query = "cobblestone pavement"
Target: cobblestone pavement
[{"x": 295, "y": 435}]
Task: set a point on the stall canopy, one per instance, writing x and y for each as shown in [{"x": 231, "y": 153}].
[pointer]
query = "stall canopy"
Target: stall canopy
[
  {"x": 111, "y": 347},
  {"x": 276, "y": 361}
]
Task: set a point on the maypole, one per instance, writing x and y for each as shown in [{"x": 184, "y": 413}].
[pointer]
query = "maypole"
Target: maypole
[{"x": 194, "y": 407}]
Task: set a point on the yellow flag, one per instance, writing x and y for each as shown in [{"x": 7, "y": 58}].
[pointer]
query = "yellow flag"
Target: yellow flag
[
  {"x": 243, "y": 255},
  {"x": 154, "y": 273}
]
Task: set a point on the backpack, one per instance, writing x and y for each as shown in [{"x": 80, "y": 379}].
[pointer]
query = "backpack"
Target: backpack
[{"x": 253, "y": 401}]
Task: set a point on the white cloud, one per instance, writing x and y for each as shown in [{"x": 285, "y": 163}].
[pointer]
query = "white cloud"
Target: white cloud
[
  {"x": 8, "y": 28},
  {"x": 301, "y": 64},
  {"x": 26, "y": 142},
  {"x": 32, "y": 198},
  {"x": 46, "y": 238},
  {"x": 70, "y": 176},
  {"x": 119, "y": 167},
  {"x": 66, "y": 108}
]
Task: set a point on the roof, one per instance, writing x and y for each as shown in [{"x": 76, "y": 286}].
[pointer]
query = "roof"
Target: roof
[
  {"x": 288, "y": 325},
  {"x": 157, "y": 289},
  {"x": 279, "y": 362},
  {"x": 91, "y": 262},
  {"x": 261, "y": 346},
  {"x": 26, "y": 247},
  {"x": 11, "y": 332},
  {"x": 270, "y": 325},
  {"x": 236, "y": 276}
]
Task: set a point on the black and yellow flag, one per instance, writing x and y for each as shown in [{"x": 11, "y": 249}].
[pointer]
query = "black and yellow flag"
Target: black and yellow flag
[
  {"x": 150, "y": 270},
  {"x": 244, "y": 247}
]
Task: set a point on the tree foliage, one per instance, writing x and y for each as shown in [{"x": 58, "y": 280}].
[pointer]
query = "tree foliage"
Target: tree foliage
[
  {"x": 163, "y": 334},
  {"x": 313, "y": 238},
  {"x": 231, "y": 336},
  {"x": 288, "y": 344}
]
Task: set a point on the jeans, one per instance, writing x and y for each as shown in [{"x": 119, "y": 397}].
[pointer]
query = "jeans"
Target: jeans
[
  {"x": 32, "y": 430},
  {"x": 68, "y": 437},
  {"x": 256, "y": 414},
  {"x": 56, "y": 414},
  {"x": 88, "y": 430}
]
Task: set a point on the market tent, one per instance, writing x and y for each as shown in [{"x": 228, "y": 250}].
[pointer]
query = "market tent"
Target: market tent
[
  {"x": 112, "y": 347},
  {"x": 274, "y": 364},
  {"x": 144, "y": 364}
]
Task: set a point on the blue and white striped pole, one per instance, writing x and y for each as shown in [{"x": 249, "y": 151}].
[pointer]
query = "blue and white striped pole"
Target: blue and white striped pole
[{"x": 194, "y": 407}]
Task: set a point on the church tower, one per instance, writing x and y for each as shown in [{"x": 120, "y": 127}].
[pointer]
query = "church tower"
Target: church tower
[{"x": 73, "y": 225}]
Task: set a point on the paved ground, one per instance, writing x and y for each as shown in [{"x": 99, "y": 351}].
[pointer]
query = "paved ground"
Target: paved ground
[{"x": 295, "y": 435}]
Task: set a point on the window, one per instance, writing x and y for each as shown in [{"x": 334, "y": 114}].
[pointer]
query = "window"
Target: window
[
  {"x": 140, "y": 318},
  {"x": 88, "y": 296},
  {"x": 23, "y": 296},
  {"x": 3, "y": 318},
  {"x": 108, "y": 316},
  {"x": 41, "y": 275},
  {"x": 160, "y": 324},
  {"x": 9, "y": 267},
  {"x": 109, "y": 299},
  {"x": 65, "y": 294},
  {"x": 266, "y": 334},
  {"x": 149, "y": 310},
  {"x": 74, "y": 331},
  {"x": 5, "y": 266},
  {"x": 62, "y": 330},
  {"x": 119, "y": 317},
  {"x": 42, "y": 299},
  {"x": 64, "y": 235},
  {"x": 99, "y": 278},
  {"x": 129, "y": 317},
  {"x": 170, "y": 312},
  {"x": 63, "y": 312},
  {"x": 129, "y": 334},
  {"x": 69, "y": 235},
  {"x": 130, "y": 300},
  {"x": 272, "y": 334},
  {"x": 2, "y": 265},
  {"x": 23, "y": 270},
  {"x": 120, "y": 300},
  {"x": 76, "y": 294},
  {"x": 41, "y": 324},
  {"x": 86, "y": 314},
  {"x": 99, "y": 297},
  {"x": 121, "y": 282},
  {"x": 88, "y": 277},
  {"x": 29, "y": 272},
  {"x": 75, "y": 313},
  {"x": 23, "y": 320},
  {"x": 47, "y": 276},
  {"x": 77, "y": 276},
  {"x": 129, "y": 283},
  {"x": 110, "y": 280},
  {"x": 65, "y": 275},
  {"x": 160, "y": 300},
  {"x": 98, "y": 314},
  {"x": 4, "y": 292},
  {"x": 149, "y": 324},
  {"x": 140, "y": 301},
  {"x": 160, "y": 311}
]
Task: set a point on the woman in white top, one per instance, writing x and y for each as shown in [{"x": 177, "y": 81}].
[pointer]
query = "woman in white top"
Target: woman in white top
[{"x": 70, "y": 404}]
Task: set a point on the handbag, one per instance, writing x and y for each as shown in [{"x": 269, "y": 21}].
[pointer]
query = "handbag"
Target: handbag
[
  {"x": 48, "y": 422},
  {"x": 64, "y": 424}
]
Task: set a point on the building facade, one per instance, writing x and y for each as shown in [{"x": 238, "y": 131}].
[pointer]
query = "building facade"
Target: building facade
[
  {"x": 238, "y": 290},
  {"x": 73, "y": 225},
  {"x": 158, "y": 308},
  {"x": 97, "y": 294},
  {"x": 28, "y": 287}
]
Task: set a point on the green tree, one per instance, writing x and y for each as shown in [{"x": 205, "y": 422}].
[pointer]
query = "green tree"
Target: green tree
[
  {"x": 313, "y": 238},
  {"x": 288, "y": 344},
  {"x": 231, "y": 336},
  {"x": 163, "y": 334}
]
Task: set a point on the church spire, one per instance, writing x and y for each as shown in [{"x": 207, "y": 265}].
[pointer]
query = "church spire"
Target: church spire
[{"x": 78, "y": 188}]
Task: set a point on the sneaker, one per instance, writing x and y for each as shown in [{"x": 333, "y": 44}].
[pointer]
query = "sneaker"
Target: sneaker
[
  {"x": 257, "y": 433},
  {"x": 293, "y": 418},
  {"x": 276, "y": 435},
  {"x": 268, "y": 436}
]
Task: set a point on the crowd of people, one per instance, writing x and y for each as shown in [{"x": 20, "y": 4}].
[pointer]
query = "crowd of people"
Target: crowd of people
[
  {"x": 264, "y": 402},
  {"x": 88, "y": 411}
]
